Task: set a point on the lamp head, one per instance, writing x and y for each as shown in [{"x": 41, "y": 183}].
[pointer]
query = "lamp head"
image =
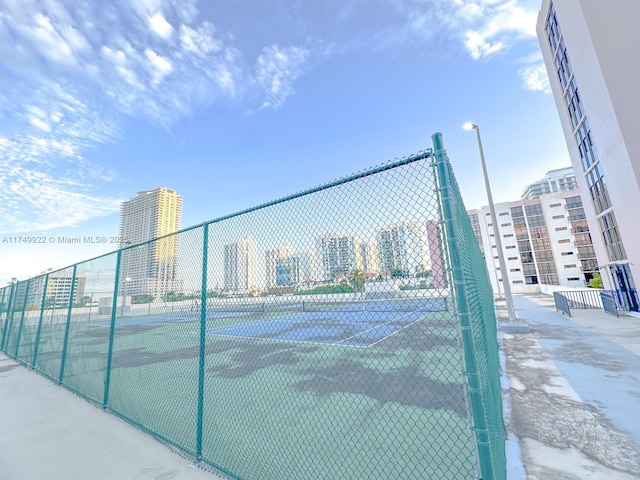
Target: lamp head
[{"x": 469, "y": 126}]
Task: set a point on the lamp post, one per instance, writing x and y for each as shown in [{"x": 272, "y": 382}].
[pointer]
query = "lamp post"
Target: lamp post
[{"x": 503, "y": 266}]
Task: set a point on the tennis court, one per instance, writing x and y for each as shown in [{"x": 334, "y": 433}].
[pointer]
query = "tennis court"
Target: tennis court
[{"x": 356, "y": 324}]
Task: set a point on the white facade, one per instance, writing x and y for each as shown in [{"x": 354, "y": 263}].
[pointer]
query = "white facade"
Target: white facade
[
  {"x": 403, "y": 247},
  {"x": 241, "y": 265},
  {"x": 544, "y": 241},
  {"x": 559, "y": 180},
  {"x": 340, "y": 255},
  {"x": 590, "y": 52}
]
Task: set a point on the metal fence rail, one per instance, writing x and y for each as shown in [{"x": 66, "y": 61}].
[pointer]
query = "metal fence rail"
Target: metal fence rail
[{"x": 344, "y": 332}]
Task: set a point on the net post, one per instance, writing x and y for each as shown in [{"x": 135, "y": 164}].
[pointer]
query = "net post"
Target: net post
[
  {"x": 24, "y": 307},
  {"x": 39, "y": 331},
  {"x": 66, "y": 330},
  {"x": 203, "y": 333},
  {"x": 446, "y": 194},
  {"x": 112, "y": 328}
]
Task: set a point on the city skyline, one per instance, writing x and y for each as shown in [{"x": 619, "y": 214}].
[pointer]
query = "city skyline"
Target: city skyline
[{"x": 221, "y": 104}]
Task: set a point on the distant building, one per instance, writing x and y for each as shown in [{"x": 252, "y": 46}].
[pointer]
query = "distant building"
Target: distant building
[
  {"x": 403, "y": 249},
  {"x": 241, "y": 265},
  {"x": 57, "y": 294},
  {"x": 370, "y": 258},
  {"x": 150, "y": 269},
  {"x": 287, "y": 271},
  {"x": 311, "y": 270},
  {"x": 545, "y": 241},
  {"x": 589, "y": 49},
  {"x": 271, "y": 258},
  {"x": 560, "y": 180},
  {"x": 339, "y": 254}
]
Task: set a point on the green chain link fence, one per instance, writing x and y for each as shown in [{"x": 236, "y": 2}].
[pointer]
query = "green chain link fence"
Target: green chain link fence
[{"x": 344, "y": 332}]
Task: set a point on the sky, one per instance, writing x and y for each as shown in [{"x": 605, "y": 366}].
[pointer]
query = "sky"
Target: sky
[{"x": 233, "y": 104}]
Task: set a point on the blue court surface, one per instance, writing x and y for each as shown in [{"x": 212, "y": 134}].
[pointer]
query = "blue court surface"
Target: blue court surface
[{"x": 356, "y": 324}]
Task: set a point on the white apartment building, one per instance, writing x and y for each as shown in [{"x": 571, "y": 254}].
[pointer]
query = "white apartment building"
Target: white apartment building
[
  {"x": 403, "y": 248},
  {"x": 339, "y": 255},
  {"x": 559, "y": 180},
  {"x": 241, "y": 265},
  {"x": 590, "y": 52},
  {"x": 544, "y": 240},
  {"x": 150, "y": 269}
]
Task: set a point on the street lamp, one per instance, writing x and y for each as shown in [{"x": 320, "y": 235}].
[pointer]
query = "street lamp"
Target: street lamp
[{"x": 496, "y": 233}]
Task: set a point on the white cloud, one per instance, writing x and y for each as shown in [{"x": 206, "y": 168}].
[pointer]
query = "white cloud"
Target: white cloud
[
  {"x": 495, "y": 24},
  {"x": 160, "y": 25},
  {"x": 534, "y": 77},
  {"x": 161, "y": 66},
  {"x": 276, "y": 69},
  {"x": 478, "y": 47}
]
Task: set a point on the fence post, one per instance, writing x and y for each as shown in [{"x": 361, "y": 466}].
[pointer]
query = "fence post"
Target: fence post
[
  {"x": 203, "y": 333},
  {"x": 9, "y": 316},
  {"x": 462, "y": 305},
  {"x": 112, "y": 328},
  {"x": 42, "y": 305},
  {"x": 24, "y": 306},
  {"x": 66, "y": 330}
]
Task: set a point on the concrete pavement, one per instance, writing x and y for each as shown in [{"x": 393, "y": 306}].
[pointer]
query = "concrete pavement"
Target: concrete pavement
[
  {"x": 49, "y": 433},
  {"x": 573, "y": 400}
]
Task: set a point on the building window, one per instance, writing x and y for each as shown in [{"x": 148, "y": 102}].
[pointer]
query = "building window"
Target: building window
[
  {"x": 611, "y": 237},
  {"x": 488, "y": 214},
  {"x": 489, "y": 224},
  {"x": 564, "y": 240},
  {"x": 553, "y": 205},
  {"x": 514, "y": 270},
  {"x": 560, "y": 229},
  {"x": 566, "y": 253},
  {"x": 512, "y": 258},
  {"x": 518, "y": 281},
  {"x": 502, "y": 214},
  {"x": 572, "y": 265},
  {"x": 557, "y": 217},
  {"x": 508, "y": 235},
  {"x": 509, "y": 247},
  {"x": 573, "y": 279},
  {"x": 505, "y": 224}
]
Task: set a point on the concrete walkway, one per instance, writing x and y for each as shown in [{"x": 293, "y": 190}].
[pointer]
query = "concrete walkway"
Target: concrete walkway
[
  {"x": 572, "y": 402},
  {"x": 50, "y": 433},
  {"x": 574, "y": 392}
]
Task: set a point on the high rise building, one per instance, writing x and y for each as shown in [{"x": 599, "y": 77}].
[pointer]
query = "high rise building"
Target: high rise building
[
  {"x": 271, "y": 258},
  {"x": 559, "y": 180},
  {"x": 241, "y": 265},
  {"x": 589, "y": 49},
  {"x": 545, "y": 241},
  {"x": 311, "y": 266},
  {"x": 370, "y": 258},
  {"x": 150, "y": 269},
  {"x": 340, "y": 255},
  {"x": 403, "y": 249}
]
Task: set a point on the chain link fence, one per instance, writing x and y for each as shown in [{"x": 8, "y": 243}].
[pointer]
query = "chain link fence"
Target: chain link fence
[{"x": 344, "y": 332}]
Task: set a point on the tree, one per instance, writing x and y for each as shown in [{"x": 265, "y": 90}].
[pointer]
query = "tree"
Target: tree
[
  {"x": 138, "y": 299},
  {"x": 356, "y": 279},
  {"x": 596, "y": 281}
]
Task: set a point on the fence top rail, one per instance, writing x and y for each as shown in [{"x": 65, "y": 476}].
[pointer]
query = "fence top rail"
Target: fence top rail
[{"x": 391, "y": 164}]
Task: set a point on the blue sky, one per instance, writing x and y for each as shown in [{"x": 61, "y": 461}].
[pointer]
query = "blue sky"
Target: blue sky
[{"x": 236, "y": 103}]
